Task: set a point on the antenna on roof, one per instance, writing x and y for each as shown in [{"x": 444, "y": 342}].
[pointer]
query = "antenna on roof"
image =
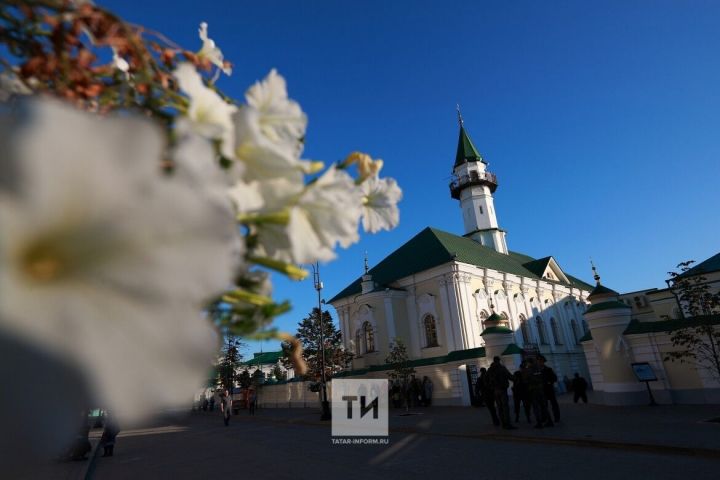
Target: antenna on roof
[
  {"x": 460, "y": 119},
  {"x": 596, "y": 276},
  {"x": 366, "y": 263}
]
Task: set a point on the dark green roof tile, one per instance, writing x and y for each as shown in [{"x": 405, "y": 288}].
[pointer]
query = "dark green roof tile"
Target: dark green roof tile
[
  {"x": 496, "y": 330},
  {"x": 602, "y": 290},
  {"x": 432, "y": 247},
  {"x": 586, "y": 337},
  {"x": 606, "y": 306},
  {"x": 466, "y": 151},
  {"x": 636, "y": 327},
  {"x": 454, "y": 356},
  {"x": 512, "y": 349},
  {"x": 712, "y": 264},
  {"x": 264, "y": 358}
]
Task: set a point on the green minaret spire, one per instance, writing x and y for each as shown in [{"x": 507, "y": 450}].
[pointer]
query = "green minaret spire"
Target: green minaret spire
[{"x": 466, "y": 151}]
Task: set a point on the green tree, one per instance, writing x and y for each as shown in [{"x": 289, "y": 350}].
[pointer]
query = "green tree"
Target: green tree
[
  {"x": 229, "y": 362},
  {"x": 399, "y": 361},
  {"x": 258, "y": 377},
  {"x": 244, "y": 379},
  {"x": 696, "y": 338},
  {"x": 279, "y": 373},
  {"x": 336, "y": 357}
]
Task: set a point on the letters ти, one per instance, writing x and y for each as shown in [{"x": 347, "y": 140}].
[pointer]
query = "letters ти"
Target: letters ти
[
  {"x": 364, "y": 409},
  {"x": 350, "y": 399}
]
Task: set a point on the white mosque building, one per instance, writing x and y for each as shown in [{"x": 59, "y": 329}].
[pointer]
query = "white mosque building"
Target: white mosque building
[{"x": 458, "y": 300}]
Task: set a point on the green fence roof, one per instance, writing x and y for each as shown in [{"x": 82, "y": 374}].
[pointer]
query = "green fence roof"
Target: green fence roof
[{"x": 455, "y": 356}]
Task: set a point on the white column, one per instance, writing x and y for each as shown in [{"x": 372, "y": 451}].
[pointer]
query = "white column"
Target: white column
[
  {"x": 471, "y": 320},
  {"x": 459, "y": 281},
  {"x": 390, "y": 320},
  {"x": 413, "y": 323},
  {"x": 447, "y": 316}
]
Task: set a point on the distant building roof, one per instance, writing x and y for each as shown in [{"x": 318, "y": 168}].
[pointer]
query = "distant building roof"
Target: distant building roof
[
  {"x": 635, "y": 326},
  {"x": 712, "y": 264},
  {"x": 432, "y": 247},
  {"x": 264, "y": 358}
]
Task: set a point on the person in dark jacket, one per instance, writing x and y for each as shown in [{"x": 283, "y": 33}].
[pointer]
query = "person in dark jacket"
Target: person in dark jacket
[
  {"x": 579, "y": 386},
  {"x": 549, "y": 380},
  {"x": 109, "y": 434},
  {"x": 521, "y": 394},
  {"x": 487, "y": 394},
  {"x": 536, "y": 389},
  {"x": 500, "y": 378}
]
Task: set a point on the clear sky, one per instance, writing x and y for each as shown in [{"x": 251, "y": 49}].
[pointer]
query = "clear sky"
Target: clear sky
[{"x": 601, "y": 119}]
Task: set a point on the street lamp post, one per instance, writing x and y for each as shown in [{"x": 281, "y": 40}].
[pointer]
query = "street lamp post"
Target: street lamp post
[{"x": 325, "y": 415}]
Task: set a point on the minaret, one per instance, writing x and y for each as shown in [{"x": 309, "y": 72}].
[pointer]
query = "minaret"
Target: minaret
[
  {"x": 367, "y": 284},
  {"x": 473, "y": 185}
]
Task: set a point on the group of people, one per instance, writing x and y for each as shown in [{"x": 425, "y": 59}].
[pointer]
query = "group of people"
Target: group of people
[
  {"x": 411, "y": 392},
  {"x": 533, "y": 388}
]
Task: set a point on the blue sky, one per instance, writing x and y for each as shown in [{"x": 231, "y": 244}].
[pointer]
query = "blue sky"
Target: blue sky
[{"x": 600, "y": 119}]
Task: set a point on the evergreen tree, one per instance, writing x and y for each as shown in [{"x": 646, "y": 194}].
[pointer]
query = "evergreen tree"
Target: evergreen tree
[
  {"x": 696, "y": 337},
  {"x": 279, "y": 373},
  {"x": 336, "y": 357},
  {"x": 244, "y": 379},
  {"x": 258, "y": 377},
  {"x": 400, "y": 362},
  {"x": 229, "y": 362}
]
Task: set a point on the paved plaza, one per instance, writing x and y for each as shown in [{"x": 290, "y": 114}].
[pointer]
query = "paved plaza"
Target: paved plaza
[{"x": 590, "y": 442}]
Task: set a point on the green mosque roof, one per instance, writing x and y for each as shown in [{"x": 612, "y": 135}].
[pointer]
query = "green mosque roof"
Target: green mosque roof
[{"x": 432, "y": 247}]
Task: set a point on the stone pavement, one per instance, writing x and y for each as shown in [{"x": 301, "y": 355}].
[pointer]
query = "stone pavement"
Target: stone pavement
[
  {"x": 444, "y": 442},
  {"x": 681, "y": 429},
  {"x": 52, "y": 469},
  {"x": 591, "y": 442}
]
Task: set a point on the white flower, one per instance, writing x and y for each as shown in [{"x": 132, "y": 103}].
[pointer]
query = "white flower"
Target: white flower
[
  {"x": 209, "y": 114},
  {"x": 246, "y": 197},
  {"x": 105, "y": 261},
  {"x": 210, "y": 51},
  {"x": 269, "y": 133},
  {"x": 120, "y": 63},
  {"x": 319, "y": 216},
  {"x": 263, "y": 160},
  {"x": 380, "y": 211},
  {"x": 11, "y": 85},
  {"x": 281, "y": 119}
]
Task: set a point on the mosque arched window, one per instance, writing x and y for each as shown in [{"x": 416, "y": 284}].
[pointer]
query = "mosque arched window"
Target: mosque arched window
[
  {"x": 431, "y": 337},
  {"x": 542, "y": 335},
  {"x": 555, "y": 331},
  {"x": 574, "y": 327},
  {"x": 369, "y": 336},
  {"x": 525, "y": 330}
]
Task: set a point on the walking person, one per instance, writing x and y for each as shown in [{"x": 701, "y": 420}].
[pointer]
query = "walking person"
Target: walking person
[
  {"x": 500, "y": 378},
  {"x": 487, "y": 395},
  {"x": 108, "y": 436},
  {"x": 549, "y": 379},
  {"x": 252, "y": 401},
  {"x": 579, "y": 386},
  {"x": 427, "y": 388},
  {"x": 536, "y": 389},
  {"x": 521, "y": 394},
  {"x": 226, "y": 407}
]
